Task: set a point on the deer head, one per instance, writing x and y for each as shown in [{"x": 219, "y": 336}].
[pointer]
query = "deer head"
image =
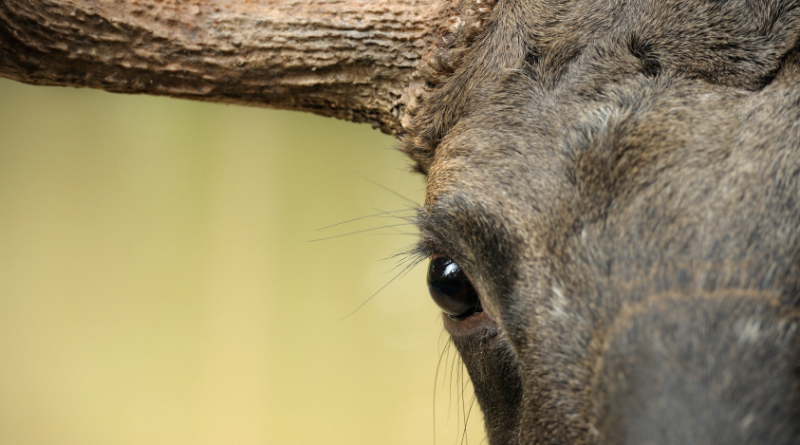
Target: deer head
[{"x": 611, "y": 211}]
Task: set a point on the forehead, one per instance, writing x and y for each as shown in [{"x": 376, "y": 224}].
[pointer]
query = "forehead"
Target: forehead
[
  {"x": 524, "y": 143},
  {"x": 537, "y": 178},
  {"x": 668, "y": 176},
  {"x": 503, "y": 148}
]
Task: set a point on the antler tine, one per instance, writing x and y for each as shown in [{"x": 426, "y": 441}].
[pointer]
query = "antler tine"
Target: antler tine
[{"x": 351, "y": 59}]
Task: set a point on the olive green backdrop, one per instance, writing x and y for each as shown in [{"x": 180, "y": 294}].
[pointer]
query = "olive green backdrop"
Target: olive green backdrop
[{"x": 158, "y": 286}]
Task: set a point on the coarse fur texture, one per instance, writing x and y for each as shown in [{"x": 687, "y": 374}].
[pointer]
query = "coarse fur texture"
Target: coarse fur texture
[{"x": 619, "y": 180}]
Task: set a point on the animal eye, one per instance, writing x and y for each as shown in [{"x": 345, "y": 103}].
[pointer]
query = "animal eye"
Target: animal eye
[{"x": 451, "y": 289}]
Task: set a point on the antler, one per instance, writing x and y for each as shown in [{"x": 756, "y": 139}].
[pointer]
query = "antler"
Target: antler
[{"x": 352, "y": 59}]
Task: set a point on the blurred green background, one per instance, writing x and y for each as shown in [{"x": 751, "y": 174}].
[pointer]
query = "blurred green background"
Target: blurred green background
[{"x": 158, "y": 286}]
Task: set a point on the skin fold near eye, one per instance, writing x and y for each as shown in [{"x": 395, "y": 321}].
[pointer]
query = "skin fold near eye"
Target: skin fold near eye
[{"x": 451, "y": 290}]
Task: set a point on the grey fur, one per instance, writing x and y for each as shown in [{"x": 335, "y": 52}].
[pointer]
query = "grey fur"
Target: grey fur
[{"x": 620, "y": 181}]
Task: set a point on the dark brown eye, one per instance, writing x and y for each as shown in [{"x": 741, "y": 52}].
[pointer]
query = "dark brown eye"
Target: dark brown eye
[{"x": 451, "y": 290}]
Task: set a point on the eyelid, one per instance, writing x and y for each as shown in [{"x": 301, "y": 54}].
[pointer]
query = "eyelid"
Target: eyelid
[
  {"x": 430, "y": 246},
  {"x": 431, "y": 241}
]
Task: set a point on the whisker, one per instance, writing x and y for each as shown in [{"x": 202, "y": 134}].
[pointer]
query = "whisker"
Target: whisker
[
  {"x": 396, "y": 230},
  {"x": 380, "y": 213},
  {"x": 446, "y": 349},
  {"x": 444, "y": 337},
  {"x": 395, "y": 234},
  {"x": 412, "y": 266},
  {"x": 450, "y": 386},
  {"x": 370, "y": 297},
  {"x": 409, "y": 259},
  {"x": 377, "y": 291},
  {"x": 359, "y": 231},
  {"x": 406, "y": 252},
  {"x": 462, "y": 382},
  {"x": 408, "y": 208},
  {"x": 388, "y": 189},
  {"x": 464, "y": 438}
]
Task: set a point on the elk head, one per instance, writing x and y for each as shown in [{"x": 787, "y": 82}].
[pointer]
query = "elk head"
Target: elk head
[
  {"x": 612, "y": 218},
  {"x": 612, "y": 202}
]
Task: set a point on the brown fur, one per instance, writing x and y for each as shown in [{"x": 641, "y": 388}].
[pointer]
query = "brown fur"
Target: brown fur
[{"x": 620, "y": 181}]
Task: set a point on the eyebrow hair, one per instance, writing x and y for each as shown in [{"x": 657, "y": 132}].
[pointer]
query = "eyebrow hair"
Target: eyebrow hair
[
  {"x": 430, "y": 242},
  {"x": 467, "y": 231}
]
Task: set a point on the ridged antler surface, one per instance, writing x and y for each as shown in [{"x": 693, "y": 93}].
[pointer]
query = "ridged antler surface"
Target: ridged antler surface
[{"x": 349, "y": 59}]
